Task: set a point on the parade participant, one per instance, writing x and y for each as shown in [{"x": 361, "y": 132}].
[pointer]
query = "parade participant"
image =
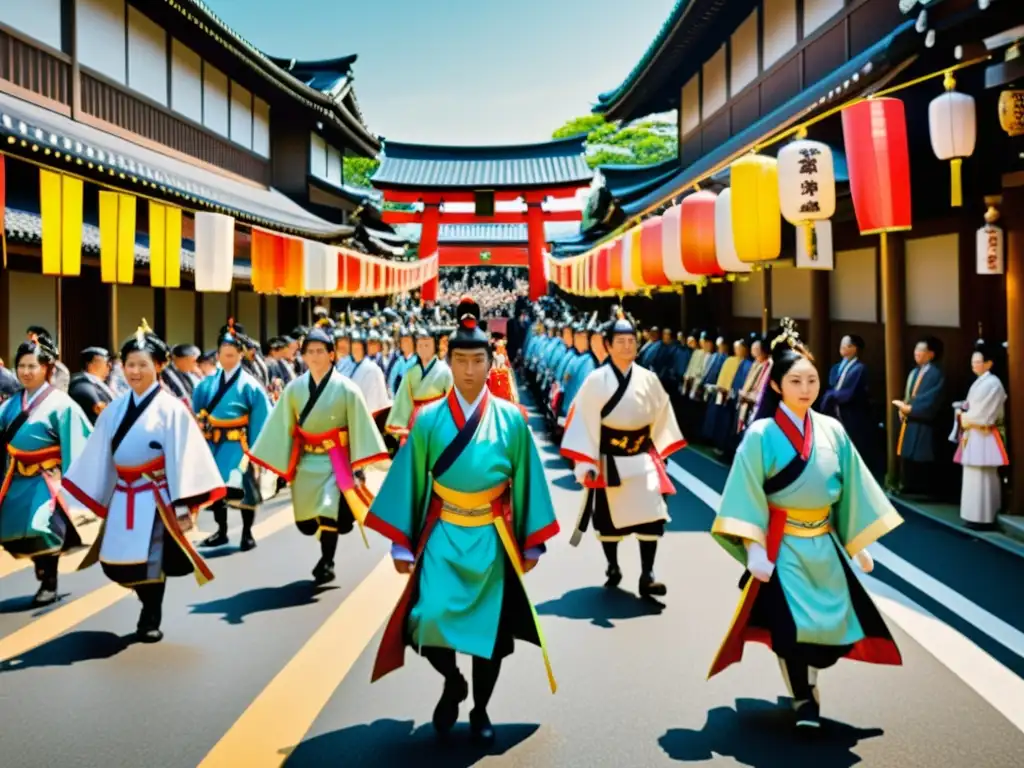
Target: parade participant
[
  {"x": 500, "y": 380},
  {"x": 405, "y": 358},
  {"x": 798, "y": 503},
  {"x": 585, "y": 362},
  {"x": 368, "y": 376},
  {"x": 8, "y": 382},
  {"x": 297, "y": 336},
  {"x": 280, "y": 365},
  {"x": 718, "y": 420},
  {"x": 61, "y": 376},
  {"x": 565, "y": 362},
  {"x": 342, "y": 350},
  {"x": 320, "y": 437},
  {"x": 750, "y": 391},
  {"x": 177, "y": 376},
  {"x": 622, "y": 430},
  {"x": 980, "y": 447},
  {"x": 231, "y": 408},
  {"x": 146, "y": 464},
  {"x": 469, "y": 497},
  {"x": 925, "y": 393},
  {"x": 89, "y": 387},
  {"x": 651, "y": 345},
  {"x": 252, "y": 359},
  {"x": 427, "y": 380},
  {"x": 207, "y": 364},
  {"x": 42, "y": 432}
]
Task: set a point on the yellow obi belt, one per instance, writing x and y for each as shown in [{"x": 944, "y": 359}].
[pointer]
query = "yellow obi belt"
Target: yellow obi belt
[
  {"x": 468, "y": 510},
  {"x": 223, "y": 430},
  {"x": 31, "y": 463},
  {"x": 807, "y": 523},
  {"x": 323, "y": 442}
]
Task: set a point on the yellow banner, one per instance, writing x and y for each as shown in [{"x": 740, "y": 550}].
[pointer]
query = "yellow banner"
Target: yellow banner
[
  {"x": 117, "y": 237},
  {"x": 164, "y": 246},
  {"x": 60, "y": 207}
]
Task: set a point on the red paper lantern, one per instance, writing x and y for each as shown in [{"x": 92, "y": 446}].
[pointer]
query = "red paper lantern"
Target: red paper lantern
[
  {"x": 697, "y": 234},
  {"x": 651, "y": 266},
  {"x": 592, "y": 273},
  {"x": 875, "y": 137},
  {"x": 603, "y": 283},
  {"x": 615, "y": 265},
  {"x": 353, "y": 273}
]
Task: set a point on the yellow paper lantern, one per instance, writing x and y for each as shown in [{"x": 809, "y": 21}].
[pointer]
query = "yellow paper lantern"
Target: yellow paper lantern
[
  {"x": 756, "y": 210},
  {"x": 636, "y": 270}
]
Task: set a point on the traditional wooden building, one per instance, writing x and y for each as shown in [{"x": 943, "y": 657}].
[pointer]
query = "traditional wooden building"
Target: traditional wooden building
[
  {"x": 743, "y": 72},
  {"x": 162, "y": 101}
]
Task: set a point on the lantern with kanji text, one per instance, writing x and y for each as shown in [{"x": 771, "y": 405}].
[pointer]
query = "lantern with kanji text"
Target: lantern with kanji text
[{"x": 807, "y": 188}]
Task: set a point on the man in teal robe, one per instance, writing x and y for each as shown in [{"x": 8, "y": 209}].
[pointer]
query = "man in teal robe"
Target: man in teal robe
[{"x": 467, "y": 508}]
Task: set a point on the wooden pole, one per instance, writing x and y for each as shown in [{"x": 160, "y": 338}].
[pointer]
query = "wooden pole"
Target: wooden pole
[
  {"x": 891, "y": 247},
  {"x": 766, "y": 300},
  {"x": 113, "y": 317},
  {"x": 1013, "y": 220},
  {"x": 821, "y": 323},
  {"x": 59, "y": 331}
]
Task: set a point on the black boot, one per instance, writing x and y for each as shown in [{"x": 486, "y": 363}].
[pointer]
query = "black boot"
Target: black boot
[
  {"x": 648, "y": 586},
  {"x": 456, "y": 690},
  {"x": 323, "y": 573},
  {"x": 485, "y": 676},
  {"x": 220, "y": 538},
  {"x": 805, "y": 694},
  {"x": 46, "y": 572},
  {"x": 152, "y": 598},
  {"x": 247, "y": 542},
  {"x": 611, "y": 553}
]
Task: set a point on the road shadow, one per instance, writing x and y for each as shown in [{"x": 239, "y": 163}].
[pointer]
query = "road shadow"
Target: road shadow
[
  {"x": 23, "y": 604},
  {"x": 762, "y": 735},
  {"x": 551, "y": 448},
  {"x": 600, "y": 606},
  {"x": 397, "y": 742},
  {"x": 556, "y": 463},
  {"x": 65, "y": 650},
  {"x": 216, "y": 552},
  {"x": 234, "y": 609},
  {"x": 566, "y": 482}
]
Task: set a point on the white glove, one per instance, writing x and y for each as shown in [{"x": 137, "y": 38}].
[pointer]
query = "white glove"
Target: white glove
[
  {"x": 864, "y": 561},
  {"x": 582, "y": 470},
  {"x": 760, "y": 567}
]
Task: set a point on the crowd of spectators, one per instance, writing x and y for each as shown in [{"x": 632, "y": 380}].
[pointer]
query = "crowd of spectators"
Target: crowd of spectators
[{"x": 495, "y": 289}]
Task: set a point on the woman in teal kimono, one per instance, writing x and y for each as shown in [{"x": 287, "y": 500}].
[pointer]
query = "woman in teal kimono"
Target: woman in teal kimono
[
  {"x": 42, "y": 431},
  {"x": 231, "y": 408},
  {"x": 320, "y": 437},
  {"x": 797, "y": 506},
  {"x": 467, "y": 507}
]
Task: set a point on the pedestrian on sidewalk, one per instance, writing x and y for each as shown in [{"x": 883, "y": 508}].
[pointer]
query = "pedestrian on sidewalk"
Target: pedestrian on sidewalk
[{"x": 799, "y": 502}]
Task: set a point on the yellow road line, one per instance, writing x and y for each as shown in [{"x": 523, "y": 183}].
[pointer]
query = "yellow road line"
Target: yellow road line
[
  {"x": 277, "y": 720},
  {"x": 60, "y": 620}
]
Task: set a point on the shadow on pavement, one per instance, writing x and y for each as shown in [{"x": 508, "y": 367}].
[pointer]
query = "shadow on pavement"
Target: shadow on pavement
[
  {"x": 600, "y": 606},
  {"x": 84, "y": 645},
  {"x": 237, "y": 607},
  {"x": 556, "y": 463},
  {"x": 550, "y": 448},
  {"x": 23, "y": 604},
  {"x": 215, "y": 552},
  {"x": 397, "y": 742},
  {"x": 761, "y": 734}
]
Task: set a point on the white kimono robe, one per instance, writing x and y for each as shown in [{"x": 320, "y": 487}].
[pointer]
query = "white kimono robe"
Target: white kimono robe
[
  {"x": 162, "y": 461},
  {"x": 643, "y": 482},
  {"x": 368, "y": 376},
  {"x": 980, "y": 449}
]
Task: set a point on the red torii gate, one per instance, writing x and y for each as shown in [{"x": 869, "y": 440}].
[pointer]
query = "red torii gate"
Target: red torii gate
[{"x": 484, "y": 176}]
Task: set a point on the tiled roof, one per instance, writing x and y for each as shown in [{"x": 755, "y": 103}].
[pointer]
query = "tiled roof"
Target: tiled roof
[
  {"x": 508, "y": 167},
  {"x": 331, "y": 77},
  {"x": 511, "y": 234},
  {"x": 25, "y": 227},
  {"x": 95, "y": 154}
]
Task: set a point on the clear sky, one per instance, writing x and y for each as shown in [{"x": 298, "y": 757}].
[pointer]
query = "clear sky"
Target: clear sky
[{"x": 462, "y": 71}]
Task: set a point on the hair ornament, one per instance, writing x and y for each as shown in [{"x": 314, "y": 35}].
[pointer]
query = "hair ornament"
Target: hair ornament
[
  {"x": 788, "y": 335},
  {"x": 141, "y": 332}
]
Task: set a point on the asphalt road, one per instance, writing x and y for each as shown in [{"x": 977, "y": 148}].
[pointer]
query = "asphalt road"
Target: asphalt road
[{"x": 261, "y": 667}]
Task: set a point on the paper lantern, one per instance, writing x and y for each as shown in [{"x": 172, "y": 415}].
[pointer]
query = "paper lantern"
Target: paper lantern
[
  {"x": 953, "y": 126},
  {"x": 817, "y": 254},
  {"x": 875, "y": 137},
  {"x": 697, "y": 234},
  {"x": 60, "y": 209},
  {"x": 989, "y": 243},
  {"x": 1011, "y": 112},
  {"x": 215, "y": 252},
  {"x": 652, "y": 267},
  {"x": 725, "y": 245},
  {"x": 615, "y": 265},
  {"x": 591, "y": 273},
  {"x": 672, "y": 247},
  {"x": 807, "y": 187},
  {"x": 117, "y": 237},
  {"x": 164, "y": 246},
  {"x": 603, "y": 269},
  {"x": 756, "y": 211},
  {"x": 319, "y": 267},
  {"x": 631, "y": 278}
]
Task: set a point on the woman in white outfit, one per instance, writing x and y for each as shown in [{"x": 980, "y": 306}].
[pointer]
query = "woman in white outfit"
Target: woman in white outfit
[{"x": 980, "y": 448}]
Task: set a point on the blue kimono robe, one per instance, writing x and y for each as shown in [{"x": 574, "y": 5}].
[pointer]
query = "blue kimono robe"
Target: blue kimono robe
[
  {"x": 583, "y": 367},
  {"x": 926, "y": 395},
  {"x": 648, "y": 353},
  {"x": 234, "y": 424},
  {"x": 467, "y": 496},
  {"x": 846, "y": 399},
  {"x": 398, "y": 369}
]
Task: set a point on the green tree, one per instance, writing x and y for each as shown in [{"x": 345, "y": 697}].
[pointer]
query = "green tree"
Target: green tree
[
  {"x": 359, "y": 170},
  {"x": 640, "y": 143}
]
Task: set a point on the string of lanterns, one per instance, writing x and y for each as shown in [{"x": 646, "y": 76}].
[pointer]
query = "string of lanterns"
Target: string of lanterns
[{"x": 707, "y": 236}]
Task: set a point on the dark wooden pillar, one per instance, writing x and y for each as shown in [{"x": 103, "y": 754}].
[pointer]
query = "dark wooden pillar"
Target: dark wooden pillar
[
  {"x": 1013, "y": 220},
  {"x": 821, "y": 322},
  {"x": 263, "y": 318},
  {"x": 160, "y": 313},
  {"x": 114, "y": 344},
  {"x": 766, "y": 301},
  {"x": 198, "y": 321},
  {"x": 894, "y": 302}
]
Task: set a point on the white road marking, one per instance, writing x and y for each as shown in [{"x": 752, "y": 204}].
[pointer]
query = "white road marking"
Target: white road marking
[{"x": 994, "y": 682}]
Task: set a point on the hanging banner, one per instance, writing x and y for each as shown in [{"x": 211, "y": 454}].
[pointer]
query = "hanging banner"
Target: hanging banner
[
  {"x": 117, "y": 237},
  {"x": 215, "y": 252},
  {"x": 60, "y": 208},
  {"x": 164, "y": 246}
]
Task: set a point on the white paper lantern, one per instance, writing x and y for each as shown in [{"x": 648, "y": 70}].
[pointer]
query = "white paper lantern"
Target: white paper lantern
[
  {"x": 319, "y": 267},
  {"x": 628, "y": 283},
  {"x": 990, "y": 250},
  {"x": 215, "y": 252},
  {"x": 953, "y": 127},
  {"x": 807, "y": 185},
  {"x": 725, "y": 245},
  {"x": 821, "y": 256},
  {"x": 671, "y": 247}
]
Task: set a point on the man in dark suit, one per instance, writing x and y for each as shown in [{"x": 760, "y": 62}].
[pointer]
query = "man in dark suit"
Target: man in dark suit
[
  {"x": 88, "y": 387},
  {"x": 924, "y": 399},
  {"x": 847, "y": 395}
]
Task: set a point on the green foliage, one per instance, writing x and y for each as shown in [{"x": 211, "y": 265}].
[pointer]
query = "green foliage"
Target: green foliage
[
  {"x": 359, "y": 170},
  {"x": 642, "y": 143}
]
